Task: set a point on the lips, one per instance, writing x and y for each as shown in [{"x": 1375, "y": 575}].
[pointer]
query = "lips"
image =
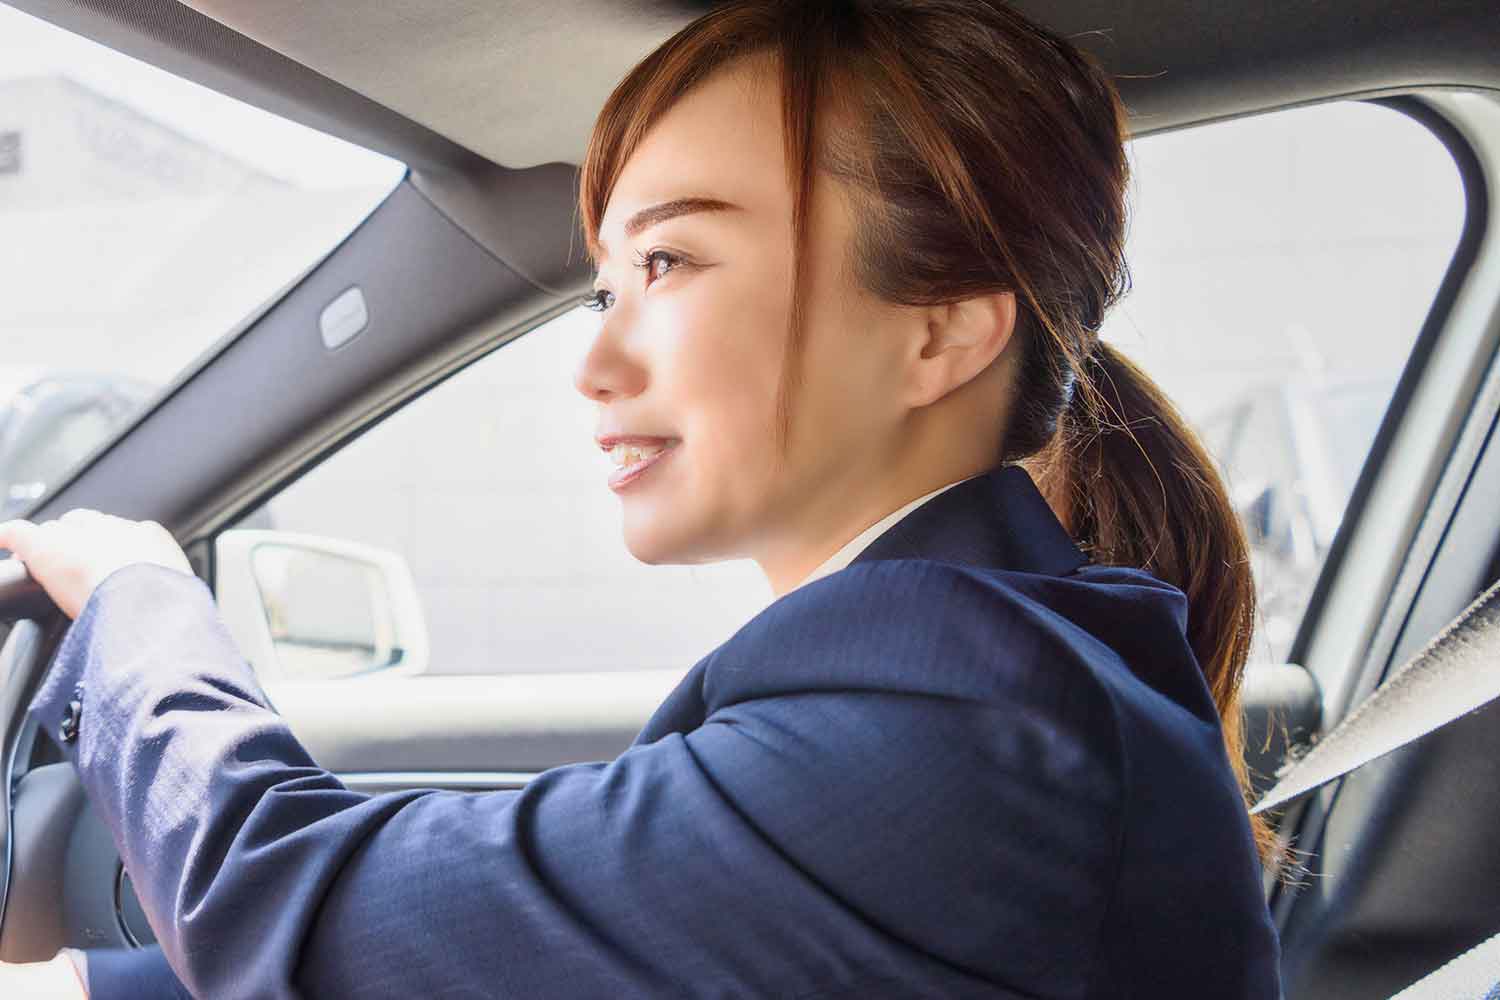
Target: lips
[
  {"x": 608, "y": 441},
  {"x": 623, "y": 477}
]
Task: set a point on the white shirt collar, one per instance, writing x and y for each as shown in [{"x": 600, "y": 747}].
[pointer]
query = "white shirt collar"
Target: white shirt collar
[{"x": 844, "y": 556}]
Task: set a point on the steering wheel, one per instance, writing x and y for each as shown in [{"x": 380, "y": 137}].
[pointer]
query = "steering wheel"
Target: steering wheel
[{"x": 60, "y": 877}]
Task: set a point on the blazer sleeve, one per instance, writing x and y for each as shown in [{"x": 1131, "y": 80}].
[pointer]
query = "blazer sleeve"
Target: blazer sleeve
[
  {"x": 652, "y": 875},
  {"x": 132, "y": 974}
]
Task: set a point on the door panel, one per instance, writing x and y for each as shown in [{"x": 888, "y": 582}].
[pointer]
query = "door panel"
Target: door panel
[{"x": 509, "y": 723}]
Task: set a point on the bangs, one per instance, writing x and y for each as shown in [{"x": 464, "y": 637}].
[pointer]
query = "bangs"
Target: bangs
[
  {"x": 637, "y": 103},
  {"x": 792, "y": 38}
]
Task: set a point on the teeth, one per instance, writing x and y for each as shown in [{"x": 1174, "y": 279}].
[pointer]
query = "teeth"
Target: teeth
[{"x": 629, "y": 454}]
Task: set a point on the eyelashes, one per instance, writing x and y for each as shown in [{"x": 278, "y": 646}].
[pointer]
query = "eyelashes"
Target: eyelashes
[
  {"x": 647, "y": 262},
  {"x": 651, "y": 262},
  {"x": 598, "y": 300}
]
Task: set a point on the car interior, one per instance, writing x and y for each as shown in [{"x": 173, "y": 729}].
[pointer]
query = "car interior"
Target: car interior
[{"x": 489, "y": 107}]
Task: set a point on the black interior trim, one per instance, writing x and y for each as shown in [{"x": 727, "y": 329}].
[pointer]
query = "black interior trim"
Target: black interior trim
[
  {"x": 1391, "y": 868},
  {"x": 1295, "y": 905},
  {"x": 1460, "y": 568},
  {"x": 237, "y": 429},
  {"x": 21, "y": 643}
]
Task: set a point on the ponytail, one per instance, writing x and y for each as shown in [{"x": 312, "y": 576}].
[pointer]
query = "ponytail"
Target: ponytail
[{"x": 1135, "y": 487}]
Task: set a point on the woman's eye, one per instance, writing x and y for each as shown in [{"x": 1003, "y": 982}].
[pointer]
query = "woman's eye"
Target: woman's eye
[
  {"x": 657, "y": 263},
  {"x": 599, "y": 299}
]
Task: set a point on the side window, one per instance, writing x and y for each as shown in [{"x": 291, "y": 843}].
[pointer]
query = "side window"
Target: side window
[
  {"x": 1282, "y": 267},
  {"x": 471, "y": 532}
]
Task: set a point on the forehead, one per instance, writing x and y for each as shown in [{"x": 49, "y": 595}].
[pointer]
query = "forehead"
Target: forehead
[{"x": 721, "y": 141}]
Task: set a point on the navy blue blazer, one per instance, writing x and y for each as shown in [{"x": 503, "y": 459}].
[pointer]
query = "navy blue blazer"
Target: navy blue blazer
[{"x": 970, "y": 764}]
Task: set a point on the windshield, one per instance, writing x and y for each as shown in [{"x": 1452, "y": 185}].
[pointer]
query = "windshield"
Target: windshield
[{"x": 145, "y": 218}]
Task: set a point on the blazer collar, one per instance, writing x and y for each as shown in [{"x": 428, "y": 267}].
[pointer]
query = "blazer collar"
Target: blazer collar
[{"x": 998, "y": 520}]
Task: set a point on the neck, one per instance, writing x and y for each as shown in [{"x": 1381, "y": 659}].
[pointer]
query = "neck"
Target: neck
[
  {"x": 788, "y": 567},
  {"x": 935, "y": 445}
]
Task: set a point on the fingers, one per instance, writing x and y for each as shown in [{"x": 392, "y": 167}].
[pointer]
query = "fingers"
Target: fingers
[
  {"x": 21, "y": 536},
  {"x": 16, "y": 536},
  {"x": 20, "y": 527}
]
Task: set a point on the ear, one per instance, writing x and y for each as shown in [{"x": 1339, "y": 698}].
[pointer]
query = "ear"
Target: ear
[{"x": 957, "y": 342}]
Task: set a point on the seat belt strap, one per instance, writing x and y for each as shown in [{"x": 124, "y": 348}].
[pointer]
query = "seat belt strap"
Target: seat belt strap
[
  {"x": 1455, "y": 673},
  {"x": 1474, "y": 975}
]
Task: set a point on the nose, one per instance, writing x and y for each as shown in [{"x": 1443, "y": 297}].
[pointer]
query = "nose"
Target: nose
[{"x": 607, "y": 370}]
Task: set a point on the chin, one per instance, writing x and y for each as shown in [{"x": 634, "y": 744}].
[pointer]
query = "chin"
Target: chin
[
  {"x": 659, "y": 536},
  {"x": 650, "y": 538}
]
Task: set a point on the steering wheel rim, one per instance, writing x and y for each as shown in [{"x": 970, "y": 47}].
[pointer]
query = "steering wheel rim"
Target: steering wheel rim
[{"x": 25, "y": 656}]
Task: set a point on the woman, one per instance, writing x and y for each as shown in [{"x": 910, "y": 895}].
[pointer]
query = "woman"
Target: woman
[{"x": 852, "y": 261}]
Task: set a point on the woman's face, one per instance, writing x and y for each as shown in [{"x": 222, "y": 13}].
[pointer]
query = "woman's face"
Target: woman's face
[{"x": 690, "y": 345}]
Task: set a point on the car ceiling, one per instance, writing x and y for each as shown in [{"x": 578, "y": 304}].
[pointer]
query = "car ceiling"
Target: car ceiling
[
  {"x": 518, "y": 81},
  {"x": 490, "y": 102}
]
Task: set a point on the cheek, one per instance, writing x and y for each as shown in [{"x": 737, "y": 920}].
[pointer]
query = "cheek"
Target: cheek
[{"x": 721, "y": 367}]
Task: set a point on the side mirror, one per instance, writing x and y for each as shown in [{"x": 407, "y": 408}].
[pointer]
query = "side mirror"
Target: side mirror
[{"x": 306, "y": 607}]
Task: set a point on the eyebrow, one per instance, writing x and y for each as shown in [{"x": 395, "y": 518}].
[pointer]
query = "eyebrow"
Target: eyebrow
[{"x": 653, "y": 215}]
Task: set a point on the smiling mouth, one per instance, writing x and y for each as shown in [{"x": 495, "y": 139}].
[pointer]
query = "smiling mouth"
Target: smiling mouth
[
  {"x": 626, "y": 455},
  {"x": 634, "y": 460}
]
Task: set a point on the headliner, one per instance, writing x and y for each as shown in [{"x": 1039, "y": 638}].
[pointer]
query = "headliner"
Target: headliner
[
  {"x": 518, "y": 82},
  {"x": 490, "y": 102}
]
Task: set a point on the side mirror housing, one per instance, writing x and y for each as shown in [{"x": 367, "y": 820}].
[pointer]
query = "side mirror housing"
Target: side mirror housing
[{"x": 307, "y": 607}]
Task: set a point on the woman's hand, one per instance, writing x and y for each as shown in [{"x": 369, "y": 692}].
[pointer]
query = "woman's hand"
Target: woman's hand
[
  {"x": 72, "y": 555},
  {"x": 54, "y": 980}
]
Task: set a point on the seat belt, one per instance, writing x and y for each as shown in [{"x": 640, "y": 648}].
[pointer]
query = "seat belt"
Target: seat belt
[
  {"x": 1470, "y": 976},
  {"x": 1454, "y": 674}
]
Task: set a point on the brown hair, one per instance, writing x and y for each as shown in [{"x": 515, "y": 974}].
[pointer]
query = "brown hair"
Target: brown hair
[{"x": 985, "y": 154}]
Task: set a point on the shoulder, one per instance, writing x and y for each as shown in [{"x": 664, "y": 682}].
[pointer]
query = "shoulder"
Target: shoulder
[
  {"x": 907, "y": 625},
  {"x": 1087, "y": 646},
  {"x": 955, "y": 592},
  {"x": 914, "y": 733}
]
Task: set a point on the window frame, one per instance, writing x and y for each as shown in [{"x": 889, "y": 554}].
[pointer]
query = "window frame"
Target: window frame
[
  {"x": 1349, "y": 662},
  {"x": 1337, "y": 687}
]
